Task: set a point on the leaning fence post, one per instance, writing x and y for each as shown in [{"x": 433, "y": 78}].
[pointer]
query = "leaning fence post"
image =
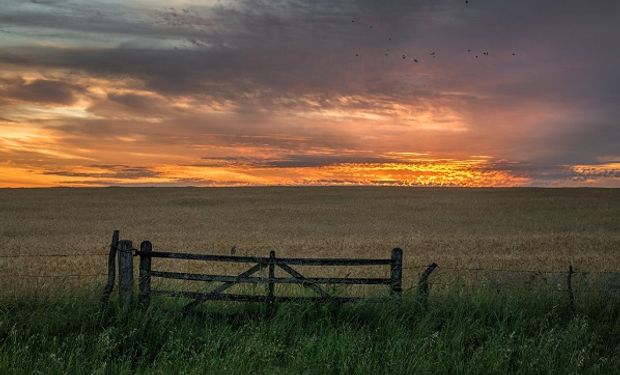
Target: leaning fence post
[
  {"x": 423, "y": 283},
  {"x": 125, "y": 273},
  {"x": 569, "y": 284},
  {"x": 396, "y": 272},
  {"x": 271, "y": 284},
  {"x": 109, "y": 286},
  {"x": 145, "y": 273}
]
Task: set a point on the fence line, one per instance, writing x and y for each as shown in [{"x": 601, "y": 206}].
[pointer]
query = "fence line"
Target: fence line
[
  {"x": 52, "y": 255},
  {"x": 479, "y": 269},
  {"x": 126, "y": 253},
  {"x": 336, "y": 261},
  {"x": 329, "y": 261},
  {"x": 54, "y": 276}
]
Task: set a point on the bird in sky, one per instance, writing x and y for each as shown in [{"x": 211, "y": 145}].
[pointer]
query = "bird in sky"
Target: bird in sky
[{"x": 433, "y": 54}]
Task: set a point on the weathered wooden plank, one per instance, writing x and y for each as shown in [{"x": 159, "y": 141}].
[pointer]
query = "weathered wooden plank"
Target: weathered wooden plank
[
  {"x": 396, "y": 272},
  {"x": 107, "y": 290},
  {"x": 303, "y": 280},
  {"x": 187, "y": 308},
  {"x": 265, "y": 260},
  {"x": 265, "y": 280},
  {"x": 125, "y": 273},
  {"x": 271, "y": 285},
  {"x": 569, "y": 285},
  {"x": 423, "y": 283},
  {"x": 145, "y": 273},
  {"x": 332, "y": 261},
  {"x": 207, "y": 257},
  {"x": 255, "y": 298}
]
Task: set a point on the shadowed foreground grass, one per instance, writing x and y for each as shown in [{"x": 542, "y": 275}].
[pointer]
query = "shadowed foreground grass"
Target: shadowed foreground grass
[{"x": 475, "y": 333}]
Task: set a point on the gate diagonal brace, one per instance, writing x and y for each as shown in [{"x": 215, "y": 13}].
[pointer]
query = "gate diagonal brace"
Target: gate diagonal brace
[
  {"x": 187, "y": 308},
  {"x": 307, "y": 284}
]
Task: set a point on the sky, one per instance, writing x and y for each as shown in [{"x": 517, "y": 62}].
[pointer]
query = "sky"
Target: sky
[{"x": 317, "y": 92}]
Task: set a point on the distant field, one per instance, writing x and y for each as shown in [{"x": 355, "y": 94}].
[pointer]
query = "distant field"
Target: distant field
[
  {"x": 535, "y": 229},
  {"x": 487, "y": 329}
]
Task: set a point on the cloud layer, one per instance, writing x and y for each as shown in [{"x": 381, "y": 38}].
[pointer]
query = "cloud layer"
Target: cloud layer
[{"x": 493, "y": 93}]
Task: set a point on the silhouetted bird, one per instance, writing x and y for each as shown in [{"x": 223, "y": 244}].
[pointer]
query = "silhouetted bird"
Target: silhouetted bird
[
  {"x": 386, "y": 54},
  {"x": 357, "y": 55},
  {"x": 466, "y": 1},
  {"x": 514, "y": 54},
  {"x": 370, "y": 27},
  {"x": 404, "y": 56},
  {"x": 476, "y": 56},
  {"x": 415, "y": 61},
  {"x": 468, "y": 50}
]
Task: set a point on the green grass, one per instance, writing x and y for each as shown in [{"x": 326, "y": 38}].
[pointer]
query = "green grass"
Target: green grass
[{"x": 472, "y": 332}]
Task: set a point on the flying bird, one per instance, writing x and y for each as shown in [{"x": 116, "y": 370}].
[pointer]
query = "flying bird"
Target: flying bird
[
  {"x": 404, "y": 56},
  {"x": 415, "y": 61}
]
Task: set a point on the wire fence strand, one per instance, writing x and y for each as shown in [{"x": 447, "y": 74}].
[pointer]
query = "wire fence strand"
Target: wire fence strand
[{"x": 52, "y": 255}]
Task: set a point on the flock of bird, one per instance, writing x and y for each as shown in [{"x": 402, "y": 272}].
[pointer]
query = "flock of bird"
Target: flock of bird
[{"x": 432, "y": 54}]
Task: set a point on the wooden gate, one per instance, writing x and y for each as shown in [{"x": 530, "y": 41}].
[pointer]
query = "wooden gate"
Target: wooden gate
[{"x": 256, "y": 264}]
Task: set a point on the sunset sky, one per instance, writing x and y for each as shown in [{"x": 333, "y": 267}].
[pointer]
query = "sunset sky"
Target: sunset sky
[{"x": 316, "y": 92}]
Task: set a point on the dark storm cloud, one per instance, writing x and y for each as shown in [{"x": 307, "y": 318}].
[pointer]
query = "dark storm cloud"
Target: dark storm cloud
[
  {"x": 39, "y": 91},
  {"x": 295, "y": 161},
  {"x": 110, "y": 172},
  {"x": 133, "y": 101}
]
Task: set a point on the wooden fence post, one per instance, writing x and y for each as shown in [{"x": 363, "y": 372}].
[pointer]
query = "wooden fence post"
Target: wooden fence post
[
  {"x": 423, "y": 283},
  {"x": 107, "y": 290},
  {"x": 125, "y": 273},
  {"x": 569, "y": 282},
  {"x": 145, "y": 273},
  {"x": 271, "y": 284},
  {"x": 396, "y": 272}
]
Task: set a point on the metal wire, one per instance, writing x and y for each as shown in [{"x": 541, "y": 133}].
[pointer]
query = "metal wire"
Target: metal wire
[
  {"x": 52, "y": 255},
  {"x": 54, "y": 276}
]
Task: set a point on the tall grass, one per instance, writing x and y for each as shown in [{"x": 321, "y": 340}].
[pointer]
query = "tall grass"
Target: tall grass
[{"x": 473, "y": 332}]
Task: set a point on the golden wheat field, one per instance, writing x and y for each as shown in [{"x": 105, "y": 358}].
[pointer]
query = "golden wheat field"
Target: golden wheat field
[{"x": 512, "y": 229}]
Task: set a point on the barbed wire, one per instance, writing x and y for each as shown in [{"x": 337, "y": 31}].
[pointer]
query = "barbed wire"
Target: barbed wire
[
  {"x": 478, "y": 269},
  {"x": 52, "y": 255},
  {"x": 462, "y": 284},
  {"x": 419, "y": 267},
  {"x": 55, "y": 276}
]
